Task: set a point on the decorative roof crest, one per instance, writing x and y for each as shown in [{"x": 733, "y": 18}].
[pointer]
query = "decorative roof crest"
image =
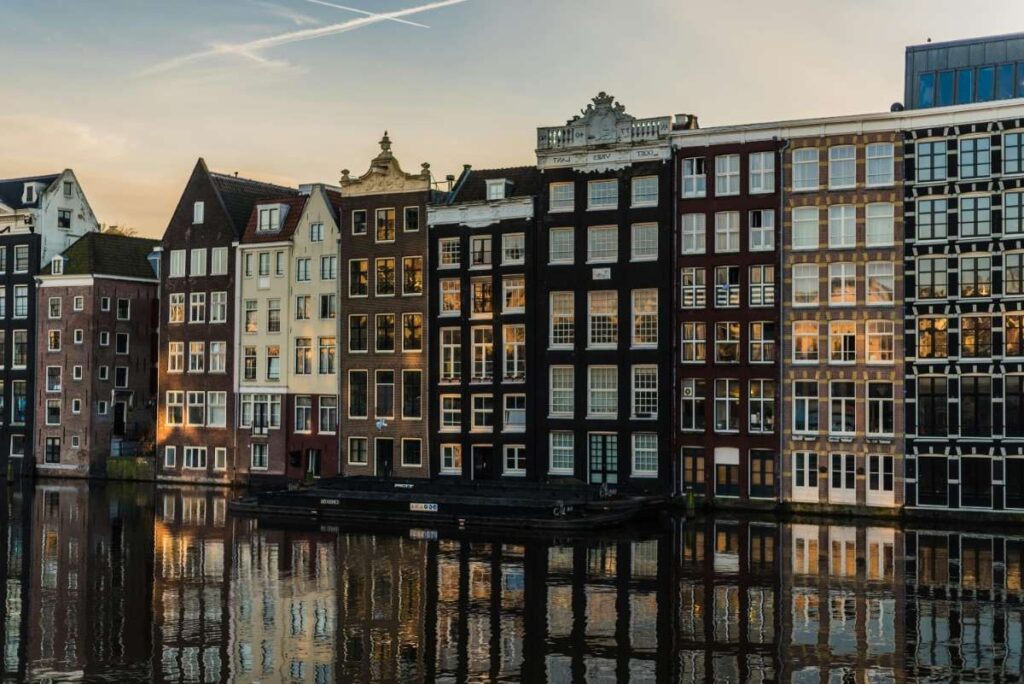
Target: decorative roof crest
[{"x": 385, "y": 175}]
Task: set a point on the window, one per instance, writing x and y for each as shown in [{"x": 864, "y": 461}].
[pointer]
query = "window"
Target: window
[
  {"x": 411, "y": 220},
  {"x": 842, "y": 337},
  {"x": 251, "y": 316},
  {"x": 218, "y": 357},
  {"x": 412, "y": 453},
  {"x": 79, "y": 301},
  {"x": 645, "y": 191},
  {"x": 563, "y": 319},
  {"x": 217, "y": 409},
  {"x": 694, "y": 233},
  {"x": 513, "y": 294},
  {"x": 842, "y": 167},
  {"x": 1013, "y": 217},
  {"x": 842, "y": 399},
  {"x": 727, "y": 342},
  {"x": 727, "y": 287},
  {"x": 880, "y": 473},
  {"x": 412, "y": 394},
  {"x": 976, "y": 405},
  {"x": 513, "y": 249},
  {"x": 451, "y": 413},
  {"x": 930, "y": 160},
  {"x": 496, "y": 189},
  {"x": 762, "y": 342},
  {"x": 602, "y": 244},
  {"x": 603, "y": 391},
  {"x": 602, "y": 194},
  {"x": 645, "y": 454},
  {"x": 104, "y": 303},
  {"x": 881, "y": 282},
  {"x": 842, "y": 284},
  {"x": 482, "y": 354},
  {"x": 645, "y": 392},
  {"x": 196, "y": 414},
  {"x": 562, "y": 250},
  {"x": 805, "y": 169},
  {"x": 384, "y": 394},
  {"x": 482, "y": 296},
  {"x": 976, "y": 337},
  {"x": 1013, "y": 153},
  {"x": 879, "y": 230},
  {"x": 880, "y": 339},
  {"x": 19, "y": 402},
  {"x": 842, "y": 226},
  {"x": 328, "y": 355},
  {"x": 358, "y": 339},
  {"x": 76, "y": 374},
  {"x": 563, "y": 196},
  {"x": 480, "y": 255},
  {"x": 273, "y": 362},
  {"x": 359, "y": 222},
  {"x": 54, "y": 307},
  {"x": 451, "y": 354},
  {"x": 21, "y": 301},
  {"x": 249, "y": 363},
  {"x": 727, "y": 175},
  {"x": 761, "y": 406},
  {"x": 727, "y": 232},
  {"x": 358, "y": 278},
  {"x": 53, "y": 341},
  {"x": 451, "y": 296},
  {"x": 975, "y": 157},
  {"x": 52, "y": 450},
  {"x": 514, "y": 357},
  {"x": 694, "y": 288},
  {"x": 19, "y": 356},
  {"x": 761, "y": 226},
  {"x": 269, "y": 219},
  {"x": 358, "y": 393},
  {"x": 412, "y": 332},
  {"x": 843, "y": 473},
  {"x": 451, "y": 458},
  {"x": 932, "y": 338},
  {"x": 881, "y": 409},
  {"x": 220, "y": 458},
  {"x": 562, "y": 401},
  {"x": 328, "y": 415},
  {"x": 385, "y": 338},
  {"x": 196, "y": 356},
  {"x": 176, "y": 270},
  {"x": 880, "y": 164},
  {"x": 975, "y": 216},
  {"x": 197, "y": 307},
  {"x": 328, "y": 267},
  {"x": 264, "y": 268},
  {"x": 805, "y": 285},
  {"x": 170, "y": 456},
  {"x": 805, "y": 228},
  {"x": 762, "y": 285},
  {"x": 175, "y": 357},
  {"x": 515, "y": 459},
  {"x": 805, "y": 471},
  {"x": 932, "y": 406},
  {"x": 694, "y": 177},
  {"x": 693, "y": 409},
  {"x": 385, "y": 277},
  {"x": 1014, "y": 405},
  {"x": 482, "y": 417},
  {"x": 273, "y": 315},
  {"x": 303, "y": 355},
  {"x": 645, "y": 318},
  {"x": 303, "y": 414},
  {"x": 260, "y": 458},
  {"x": 198, "y": 262},
  {"x": 762, "y": 172},
  {"x": 176, "y": 307},
  {"x": 603, "y": 319},
  {"x": 931, "y": 219},
  {"x": 53, "y": 378},
  {"x": 385, "y": 225},
  {"x": 412, "y": 275},
  {"x": 976, "y": 276},
  {"x": 247, "y": 264},
  {"x": 727, "y": 405},
  {"x": 693, "y": 469},
  {"x": 316, "y": 232},
  {"x": 1013, "y": 340},
  {"x": 931, "y": 278},
  {"x": 693, "y": 342}
]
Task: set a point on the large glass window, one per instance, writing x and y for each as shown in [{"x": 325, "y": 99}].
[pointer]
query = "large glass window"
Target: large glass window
[
  {"x": 975, "y": 157},
  {"x": 930, "y": 160},
  {"x": 842, "y": 167},
  {"x": 976, "y": 337},
  {"x": 805, "y": 168},
  {"x": 932, "y": 338},
  {"x": 976, "y": 405},
  {"x": 805, "y": 406},
  {"x": 932, "y": 406},
  {"x": 727, "y": 405},
  {"x": 843, "y": 411},
  {"x": 931, "y": 278},
  {"x": 931, "y": 219},
  {"x": 976, "y": 276}
]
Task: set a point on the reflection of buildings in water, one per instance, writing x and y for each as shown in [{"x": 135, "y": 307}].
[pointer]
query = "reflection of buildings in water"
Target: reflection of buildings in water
[
  {"x": 964, "y": 612},
  {"x": 842, "y": 592},
  {"x": 14, "y": 528}
]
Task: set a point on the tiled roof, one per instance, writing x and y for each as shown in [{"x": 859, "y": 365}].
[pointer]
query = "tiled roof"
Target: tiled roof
[
  {"x": 12, "y": 189},
  {"x": 291, "y": 220},
  {"x": 472, "y": 186},
  {"x": 108, "y": 254},
  {"x": 240, "y": 194}
]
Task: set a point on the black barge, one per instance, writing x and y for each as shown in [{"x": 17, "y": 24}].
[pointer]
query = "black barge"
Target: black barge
[{"x": 481, "y": 505}]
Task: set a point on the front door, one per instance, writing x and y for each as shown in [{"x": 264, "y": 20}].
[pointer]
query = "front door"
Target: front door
[
  {"x": 385, "y": 457},
  {"x": 604, "y": 458},
  {"x": 120, "y": 409},
  {"x": 482, "y": 461}
]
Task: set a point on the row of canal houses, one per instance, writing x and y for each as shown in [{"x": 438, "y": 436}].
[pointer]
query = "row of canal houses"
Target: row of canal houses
[{"x": 825, "y": 312}]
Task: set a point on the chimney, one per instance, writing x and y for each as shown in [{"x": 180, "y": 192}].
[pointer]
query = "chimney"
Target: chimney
[{"x": 685, "y": 122}]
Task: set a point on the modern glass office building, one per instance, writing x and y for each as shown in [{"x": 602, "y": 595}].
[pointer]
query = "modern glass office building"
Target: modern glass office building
[{"x": 964, "y": 71}]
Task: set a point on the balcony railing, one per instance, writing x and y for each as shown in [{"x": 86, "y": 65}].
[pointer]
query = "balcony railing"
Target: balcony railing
[{"x": 575, "y": 135}]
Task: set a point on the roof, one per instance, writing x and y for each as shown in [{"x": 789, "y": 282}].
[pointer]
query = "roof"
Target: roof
[
  {"x": 980, "y": 40},
  {"x": 108, "y": 254},
  {"x": 291, "y": 220},
  {"x": 240, "y": 194},
  {"x": 12, "y": 189},
  {"x": 472, "y": 185}
]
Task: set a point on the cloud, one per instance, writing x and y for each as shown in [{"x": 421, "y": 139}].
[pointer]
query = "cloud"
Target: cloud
[
  {"x": 364, "y": 12},
  {"x": 51, "y": 140},
  {"x": 291, "y": 15},
  {"x": 251, "y": 48}
]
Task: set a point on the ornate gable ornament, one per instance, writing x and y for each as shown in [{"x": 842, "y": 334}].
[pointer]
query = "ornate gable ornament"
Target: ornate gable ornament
[
  {"x": 385, "y": 176},
  {"x": 603, "y": 122}
]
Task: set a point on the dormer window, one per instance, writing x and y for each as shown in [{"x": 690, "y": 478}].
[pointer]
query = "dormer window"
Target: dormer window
[
  {"x": 198, "y": 212},
  {"x": 57, "y": 265},
  {"x": 269, "y": 219},
  {"x": 496, "y": 189},
  {"x": 29, "y": 194},
  {"x": 68, "y": 187}
]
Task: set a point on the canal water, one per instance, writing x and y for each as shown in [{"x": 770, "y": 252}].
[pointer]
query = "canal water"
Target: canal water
[{"x": 142, "y": 583}]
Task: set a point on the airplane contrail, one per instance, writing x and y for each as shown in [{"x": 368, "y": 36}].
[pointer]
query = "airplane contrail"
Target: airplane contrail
[
  {"x": 253, "y": 46},
  {"x": 369, "y": 14}
]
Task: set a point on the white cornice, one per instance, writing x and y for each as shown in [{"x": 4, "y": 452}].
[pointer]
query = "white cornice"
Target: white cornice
[{"x": 481, "y": 214}]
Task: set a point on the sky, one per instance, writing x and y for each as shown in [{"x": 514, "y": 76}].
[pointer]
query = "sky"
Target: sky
[{"x": 129, "y": 93}]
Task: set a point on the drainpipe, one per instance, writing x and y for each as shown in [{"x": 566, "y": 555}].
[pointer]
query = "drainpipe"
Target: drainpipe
[{"x": 781, "y": 347}]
